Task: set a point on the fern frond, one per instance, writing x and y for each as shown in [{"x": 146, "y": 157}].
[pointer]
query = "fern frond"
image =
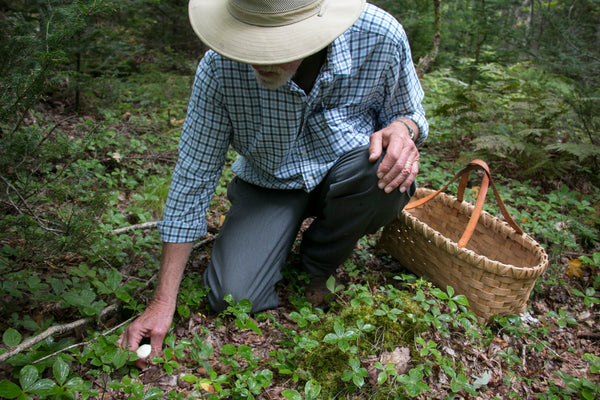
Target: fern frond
[
  {"x": 581, "y": 151},
  {"x": 498, "y": 144}
]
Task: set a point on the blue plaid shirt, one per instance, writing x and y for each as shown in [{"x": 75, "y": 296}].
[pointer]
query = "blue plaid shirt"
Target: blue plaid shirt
[{"x": 285, "y": 138}]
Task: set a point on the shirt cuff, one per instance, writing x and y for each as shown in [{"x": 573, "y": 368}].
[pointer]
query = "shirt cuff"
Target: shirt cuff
[{"x": 178, "y": 232}]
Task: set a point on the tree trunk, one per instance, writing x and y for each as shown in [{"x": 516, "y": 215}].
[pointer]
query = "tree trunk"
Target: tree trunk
[{"x": 426, "y": 61}]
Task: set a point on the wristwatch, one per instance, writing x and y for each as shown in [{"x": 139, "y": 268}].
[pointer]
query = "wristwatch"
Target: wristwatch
[{"x": 411, "y": 131}]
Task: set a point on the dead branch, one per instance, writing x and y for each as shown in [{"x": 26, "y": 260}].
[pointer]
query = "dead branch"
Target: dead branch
[
  {"x": 58, "y": 329},
  {"x": 152, "y": 224},
  {"x": 144, "y": 225},
  {"x": 55, "y": 330},
  {"x": 204, "y": 241},
  {"x": 108, "y": 332}
]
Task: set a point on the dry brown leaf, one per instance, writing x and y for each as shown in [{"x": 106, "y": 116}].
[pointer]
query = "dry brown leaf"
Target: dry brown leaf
[
  {"x": 574, "y": 268},
  {"x": 400, "y": 357}
]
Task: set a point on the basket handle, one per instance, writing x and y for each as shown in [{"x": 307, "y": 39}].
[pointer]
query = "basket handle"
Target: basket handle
[{"x": 487, "y": 179}]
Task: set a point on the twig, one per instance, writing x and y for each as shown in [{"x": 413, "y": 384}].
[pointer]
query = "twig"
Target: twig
[
  {"x": 152, "y": 224},
  {"x": 58, "y": 329},
  {"x": 108, "y": 332},
  {"x": 589, "y": 335},
  {"x": 54, "y": 330},
  {"x": 205, "y": 241},
  {"x": 144, "y": 225},
  {"x": 31, "y": 213}
]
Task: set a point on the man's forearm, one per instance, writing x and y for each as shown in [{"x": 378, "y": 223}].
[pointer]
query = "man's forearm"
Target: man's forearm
[{"x": 173, "y": 261}]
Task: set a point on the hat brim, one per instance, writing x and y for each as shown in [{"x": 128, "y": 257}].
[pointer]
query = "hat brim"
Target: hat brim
[{"x": 258, "y": 45}]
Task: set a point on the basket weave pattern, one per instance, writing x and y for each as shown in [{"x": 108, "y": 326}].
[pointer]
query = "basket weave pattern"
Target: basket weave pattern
[{"x": 496, "y": 270}]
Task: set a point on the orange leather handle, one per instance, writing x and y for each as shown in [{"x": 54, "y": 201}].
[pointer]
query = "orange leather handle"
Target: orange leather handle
[{"x": 485, "y": 183}]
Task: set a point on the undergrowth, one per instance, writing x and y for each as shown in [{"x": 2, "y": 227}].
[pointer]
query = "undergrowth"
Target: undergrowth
[{"x": 69, "y": 183}]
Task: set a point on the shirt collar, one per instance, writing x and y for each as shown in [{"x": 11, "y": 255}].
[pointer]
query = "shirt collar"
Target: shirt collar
[{"x": 339, "y": 60}]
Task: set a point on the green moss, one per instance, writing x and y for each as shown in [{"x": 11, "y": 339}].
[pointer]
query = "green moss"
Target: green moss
[{"x": 326, "y": 363}]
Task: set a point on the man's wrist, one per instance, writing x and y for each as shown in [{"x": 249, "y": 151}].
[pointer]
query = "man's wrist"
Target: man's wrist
[{"x": 411, "y": 126}]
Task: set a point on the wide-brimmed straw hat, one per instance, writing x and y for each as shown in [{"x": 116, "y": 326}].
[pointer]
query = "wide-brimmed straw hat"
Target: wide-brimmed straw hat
[{"x": 264, "y": 32}]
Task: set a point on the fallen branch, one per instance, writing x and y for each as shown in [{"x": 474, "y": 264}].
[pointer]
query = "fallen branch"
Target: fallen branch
[
  {"x": 58, "y": 329},
  {"x": 204, "y": 241},
  {"x": 108, "y": 332},
  {"x": 152, "y": 224},
  {"x": 589, "y": 335},
  {"x": 144, "y": 225},
  {"x": 55, "y": 330}
]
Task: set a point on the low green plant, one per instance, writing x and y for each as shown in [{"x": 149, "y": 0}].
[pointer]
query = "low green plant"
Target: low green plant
[
  {"x": 173, "y": 351},
  {"x": 304, "y": 316},
  {"x": 413, "y": 382},
  {"x": 312, "y": 389},
  {"x": 136, "y": 390},
  {"x": 240, "y": 311},
  {"x": 356, "y": 374},
  {"x": 243, "y": 381}
]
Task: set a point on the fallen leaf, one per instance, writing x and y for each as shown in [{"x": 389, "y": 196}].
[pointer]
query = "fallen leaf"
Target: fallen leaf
[
  {"x": 207, "y": 387},
  {"x": 116, "y": 156},
  {"x": 574, "y": 268},
  {"x": 400, "y": 357}
]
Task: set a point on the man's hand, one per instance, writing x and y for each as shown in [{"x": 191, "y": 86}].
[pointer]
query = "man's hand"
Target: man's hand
[
  {"x": 400, "y": 163},
  {"x": 154, "y": 323}
]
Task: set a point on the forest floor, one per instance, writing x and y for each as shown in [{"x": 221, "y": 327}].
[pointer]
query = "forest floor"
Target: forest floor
[
  {"x": 559, "y": 326},
  {"x": 539, "y": 356}
]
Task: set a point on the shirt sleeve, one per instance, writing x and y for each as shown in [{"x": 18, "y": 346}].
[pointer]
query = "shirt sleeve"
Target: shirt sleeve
[
  {"x": 205, "y": 138},
  {"x": 404, "y": 94}
]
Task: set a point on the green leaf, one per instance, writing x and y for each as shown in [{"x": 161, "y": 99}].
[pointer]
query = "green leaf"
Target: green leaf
[
  {"x": 189, "y": 378},
  {"x": 312, "y": 390},
  {"x": 347, "y": 375},
  {"x": 331, "y": 338},
  {"x": 9, "y": 389},
  {"x": 291, "y": 394},
  {"x": 462, "y": 300},
  {"x": 482, "y": 380},
  {"x": 343, "y": 345},
  {"x": 183, "y": 310},
  {"x": 122, "y": 294},
  {"x": 153, "y": 393},
  {"x": 43, "y": 387},
  {"x": 75, "y": 382},
  {"x": 358, "y": 380},
  {"x": 61, "y": 370},
  {"x": 244, "y": 305},
  {"x": 331, "y": 284},
  {"x": 11, "y": 337},
  {"x": 28, "y": 376},
  {"x": 228, "y": 349},
  {"x": 113, "y": 279},
  {"x": 382, "y": 377},
  {"x": 439, "y": 294}
]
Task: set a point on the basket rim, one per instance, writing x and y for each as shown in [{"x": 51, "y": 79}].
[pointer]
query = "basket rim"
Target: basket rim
[{"x": 488, "y": 264}]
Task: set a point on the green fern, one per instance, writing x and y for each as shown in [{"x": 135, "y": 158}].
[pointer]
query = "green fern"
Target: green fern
[{"x": 581, "y": 151}]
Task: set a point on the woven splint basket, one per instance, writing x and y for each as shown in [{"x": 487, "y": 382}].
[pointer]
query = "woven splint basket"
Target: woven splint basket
[{"x": 490, "y": 261}]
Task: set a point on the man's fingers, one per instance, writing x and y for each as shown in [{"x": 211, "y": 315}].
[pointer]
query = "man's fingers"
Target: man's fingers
[
  {"x": 375, "y": 146},
  {"x": 411, "y": 177},
  {"x": 400, "y": 176}
]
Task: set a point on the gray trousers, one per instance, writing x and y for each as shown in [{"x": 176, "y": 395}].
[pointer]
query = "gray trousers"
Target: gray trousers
[{"x": 262, "y": 225}]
